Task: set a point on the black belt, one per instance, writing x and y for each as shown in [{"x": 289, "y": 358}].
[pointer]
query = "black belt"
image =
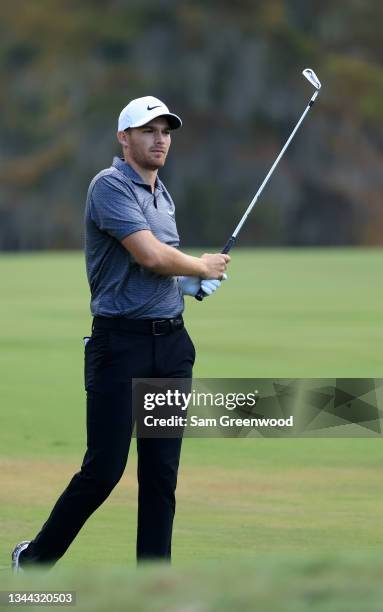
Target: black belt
[{"x": 153, "y": 327}]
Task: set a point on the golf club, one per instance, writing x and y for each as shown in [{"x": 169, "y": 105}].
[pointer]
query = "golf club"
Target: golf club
[{"x": 313, "y": 79}]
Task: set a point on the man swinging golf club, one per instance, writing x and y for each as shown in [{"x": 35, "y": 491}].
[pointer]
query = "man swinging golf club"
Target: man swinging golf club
[{"x": 138, "y": 279}]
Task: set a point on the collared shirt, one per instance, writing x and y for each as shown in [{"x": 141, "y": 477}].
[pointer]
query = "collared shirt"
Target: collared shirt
[{"x": 118, "y": 204}]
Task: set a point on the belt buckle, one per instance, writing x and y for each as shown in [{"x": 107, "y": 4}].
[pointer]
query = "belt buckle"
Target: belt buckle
[{"x": 158, "y": 333}]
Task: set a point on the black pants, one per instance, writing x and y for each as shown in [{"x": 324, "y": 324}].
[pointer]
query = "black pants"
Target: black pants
[{"x": 112, "y": 359}]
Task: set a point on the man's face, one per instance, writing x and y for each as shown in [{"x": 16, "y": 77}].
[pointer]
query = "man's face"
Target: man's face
[{"x": 148, "y": 145}]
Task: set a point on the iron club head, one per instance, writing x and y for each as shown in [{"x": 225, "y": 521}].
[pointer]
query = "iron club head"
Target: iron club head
[{"x": 312, "y": 77}]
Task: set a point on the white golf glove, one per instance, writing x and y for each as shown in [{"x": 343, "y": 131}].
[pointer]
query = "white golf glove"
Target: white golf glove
[{"x": 190, "y": 285}]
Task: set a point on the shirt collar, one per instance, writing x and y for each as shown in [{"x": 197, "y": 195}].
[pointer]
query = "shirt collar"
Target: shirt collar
[{"x": 129, "y": 172}]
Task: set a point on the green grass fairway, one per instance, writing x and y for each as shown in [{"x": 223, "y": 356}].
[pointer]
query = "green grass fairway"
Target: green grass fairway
[
  {"x": 324, "y": 583},
  {"x": 249, "y": 509}
]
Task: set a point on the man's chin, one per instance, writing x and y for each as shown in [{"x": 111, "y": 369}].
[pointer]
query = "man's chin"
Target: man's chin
[{"x": 156, "y": 165}]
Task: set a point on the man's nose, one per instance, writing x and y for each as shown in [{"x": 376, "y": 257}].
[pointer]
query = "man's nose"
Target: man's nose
[{"x": 160, "y": 137}]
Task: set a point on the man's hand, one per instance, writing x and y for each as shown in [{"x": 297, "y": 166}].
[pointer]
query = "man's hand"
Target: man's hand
[
  {"x": 190, "y": 285},
  {"x": 215, "y": 265}
]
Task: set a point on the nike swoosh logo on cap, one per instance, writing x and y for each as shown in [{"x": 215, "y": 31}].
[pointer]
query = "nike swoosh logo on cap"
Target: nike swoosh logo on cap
[{"x": 151, "y": 107}]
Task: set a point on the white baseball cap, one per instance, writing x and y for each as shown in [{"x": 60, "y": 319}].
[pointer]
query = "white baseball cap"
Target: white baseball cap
[{"x": 142, "y": 110}]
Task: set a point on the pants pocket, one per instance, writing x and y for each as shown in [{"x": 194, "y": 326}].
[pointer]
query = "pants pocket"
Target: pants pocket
[{"x": 95, "y": 358}]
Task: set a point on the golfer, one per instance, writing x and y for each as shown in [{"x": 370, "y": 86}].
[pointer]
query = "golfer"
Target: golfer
[{"x": 138, "y": 279}]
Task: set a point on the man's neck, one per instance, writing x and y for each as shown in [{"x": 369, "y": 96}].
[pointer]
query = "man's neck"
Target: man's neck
[{"x": 149, "y": 176}]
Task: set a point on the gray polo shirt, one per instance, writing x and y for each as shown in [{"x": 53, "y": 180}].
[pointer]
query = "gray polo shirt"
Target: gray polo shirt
[{"x": 118, "y": 204}]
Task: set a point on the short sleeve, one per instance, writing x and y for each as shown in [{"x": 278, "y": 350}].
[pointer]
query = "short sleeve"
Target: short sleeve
[{"x": 114, "y": 210}]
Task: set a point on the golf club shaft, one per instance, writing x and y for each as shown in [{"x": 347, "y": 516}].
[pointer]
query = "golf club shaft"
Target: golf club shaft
[{"x": 230, "y": 243}]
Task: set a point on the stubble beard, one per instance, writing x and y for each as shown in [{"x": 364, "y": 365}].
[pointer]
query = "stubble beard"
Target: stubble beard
[{"x": 147, "y": 164}]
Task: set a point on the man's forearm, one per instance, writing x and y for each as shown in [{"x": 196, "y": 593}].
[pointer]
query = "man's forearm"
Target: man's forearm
[
  {"x": 169, "y": 261},
  {"x": 163, "y": 259}
]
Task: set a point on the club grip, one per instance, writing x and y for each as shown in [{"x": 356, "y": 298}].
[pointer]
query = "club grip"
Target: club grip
[
  {"x": 229, "y": 244},
  {"x": 200, "y": 295}
]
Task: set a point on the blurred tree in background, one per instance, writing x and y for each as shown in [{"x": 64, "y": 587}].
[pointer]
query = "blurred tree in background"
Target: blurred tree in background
[{"x": 232, "y": 71}]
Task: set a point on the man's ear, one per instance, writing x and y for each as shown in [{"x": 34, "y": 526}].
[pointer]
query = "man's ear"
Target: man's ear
[{"x": 123, "y": 139}]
